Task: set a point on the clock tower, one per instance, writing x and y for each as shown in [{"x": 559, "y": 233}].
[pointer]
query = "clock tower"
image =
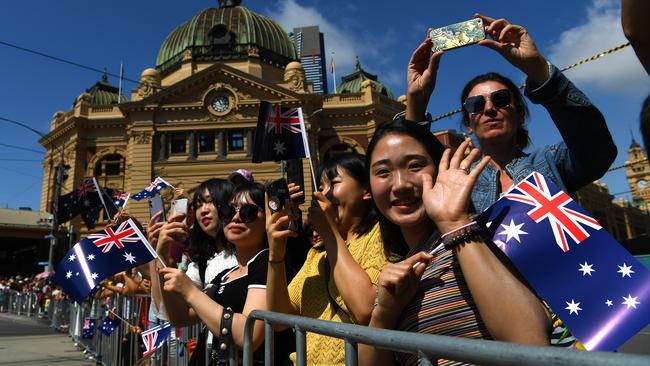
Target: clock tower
[{"x": 638, "y": 175}]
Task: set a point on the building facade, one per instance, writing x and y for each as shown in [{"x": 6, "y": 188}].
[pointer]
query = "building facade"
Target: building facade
[
  {"x": 193, "y": 115},
  {"x": 638, "y": 175}
]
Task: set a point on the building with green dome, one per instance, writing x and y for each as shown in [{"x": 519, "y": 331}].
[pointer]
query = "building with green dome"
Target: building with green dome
[{"x": 194, "y": 112}]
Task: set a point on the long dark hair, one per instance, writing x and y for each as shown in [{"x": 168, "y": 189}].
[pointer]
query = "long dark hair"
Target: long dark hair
[
  {"x": 201, "y": 245},
  {"x": 355, "y": 166},
  {"x": 520, "y": 105},
  {"x": 391, "y": 234}
]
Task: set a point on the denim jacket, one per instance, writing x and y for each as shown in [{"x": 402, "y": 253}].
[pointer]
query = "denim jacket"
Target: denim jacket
[{"x": 584, "y": 155}]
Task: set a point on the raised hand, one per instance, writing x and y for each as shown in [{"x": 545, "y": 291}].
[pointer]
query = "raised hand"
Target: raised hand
[
  {"x": 421, "y": 80},
  {"x": 323, "y": 215},
  {"x": 446, "y": 202},
  {"x": 153, "y": 229},
  {"x": 398, "y": 282},
  {"x": 173, "y": 232},
  {"x": 516, "y": 45}
]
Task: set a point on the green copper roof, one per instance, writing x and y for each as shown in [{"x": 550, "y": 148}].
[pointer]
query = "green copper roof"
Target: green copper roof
[
  {"x": 103, "y": 93},
  {"x": 352, "y": 83},
  {"x": 225, "y": 33}
]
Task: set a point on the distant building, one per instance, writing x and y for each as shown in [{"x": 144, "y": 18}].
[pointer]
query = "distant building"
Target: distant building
[
  {"x": 638, "y": 175},
  {"x": 22, "y": 240},
  {"x": 310, "y": 48}
]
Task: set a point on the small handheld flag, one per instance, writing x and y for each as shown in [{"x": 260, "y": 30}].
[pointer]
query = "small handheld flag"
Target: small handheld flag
[
  {"x": 154, "y": 338},
  {"x": 154, "y": 187},
  {"x": 109, "y": 324},
  {"x": 101, "y": 255},
  {"x": 88, "y": 329},
  {"x": 280, "y": 134},
  {"x": 597, "y": 288}
]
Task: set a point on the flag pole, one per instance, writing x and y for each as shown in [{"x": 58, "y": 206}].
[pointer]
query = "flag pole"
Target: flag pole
[
  {"x": 122, "y": 319},
  {"x": 333, "y": 69},
  {"x": 119, "y": 91},
  {"x": 101, "y": 198}
]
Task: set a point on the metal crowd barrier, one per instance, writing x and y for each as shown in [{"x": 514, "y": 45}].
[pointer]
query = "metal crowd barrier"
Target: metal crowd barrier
[
  {"x": 22, "y": 303},
  {"x": 428, "y": 347}
]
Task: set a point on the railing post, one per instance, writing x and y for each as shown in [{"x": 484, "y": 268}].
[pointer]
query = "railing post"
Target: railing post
[
  {"x": 351, "y": 357},
  {"x": 424, "y": 360},
  {"x": 269, "y": 340},
  {"x": 248, "y": 341},
  {"x": 301, "y": 347}
]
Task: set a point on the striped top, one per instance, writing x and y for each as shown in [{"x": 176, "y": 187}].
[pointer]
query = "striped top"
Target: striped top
[{"x": 442, "y": 305}]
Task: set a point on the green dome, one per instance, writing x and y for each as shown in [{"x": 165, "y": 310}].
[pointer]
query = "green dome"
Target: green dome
[
  {"x": 352, "y": 83},
  {"x": 103, "y": 93},
  {"x": 227, "y": 32}
]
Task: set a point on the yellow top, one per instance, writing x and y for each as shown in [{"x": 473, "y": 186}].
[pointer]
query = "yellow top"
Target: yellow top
[{"x": 307, "y": 293}]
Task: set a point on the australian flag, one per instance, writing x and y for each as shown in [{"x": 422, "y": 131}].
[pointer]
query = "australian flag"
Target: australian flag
[
  {"x": 118, "y": 198},
  {"x": 67, "y": 208},
  {"x": 154, "y": 187},
  {"x": 599, "y": 290},
  {"x": 84, "y": 200},
  {"x": 101, "y": 255},
  {"x": 280, "y": 134},
  {"x": 88, "y": 329},
  {"x": 109, "y": 324},
  {"x": 154, "y": 338}
]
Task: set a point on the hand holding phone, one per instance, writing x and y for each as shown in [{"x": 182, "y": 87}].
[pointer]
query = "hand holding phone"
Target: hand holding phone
[
  {"x": 457, "y": 35},
  {"x": 156, "y": 204}
]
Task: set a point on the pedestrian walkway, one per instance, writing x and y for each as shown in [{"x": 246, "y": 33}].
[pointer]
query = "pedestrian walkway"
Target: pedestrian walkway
[{"x": 28, "y": 341}]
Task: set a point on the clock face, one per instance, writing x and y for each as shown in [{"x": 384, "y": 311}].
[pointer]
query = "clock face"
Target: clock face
[
  {"x": 220, "y": 103},
  {"x": 642, "y": 183}
]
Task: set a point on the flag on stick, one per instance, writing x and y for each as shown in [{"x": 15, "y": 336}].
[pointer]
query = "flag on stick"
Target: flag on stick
[
  {"x": 280, "y": 134},
  {"x": 109, "y": 324},
  {"x": 154, "y": 338},
  {"x": 597, "y": 288},
  {"x": 101, "y": 255},
  {"x": 154, "y": 187},
  {"x": 88, "y": 329}
]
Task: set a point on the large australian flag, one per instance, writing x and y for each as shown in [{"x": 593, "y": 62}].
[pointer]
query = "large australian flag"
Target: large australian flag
[
  {"x": 599, "y": 290},
  {"x": 101, "y": 255},
  {"x": 280, "y": 134}
]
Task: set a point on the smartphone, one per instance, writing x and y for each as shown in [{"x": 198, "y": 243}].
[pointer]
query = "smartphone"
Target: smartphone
[
  {"x": 278, "y": 194},
  {"x": 457, "y": 35},
  {"x": 156, "y": 204},
  {"x": 295, "y": 175},
  {"x": 179, "y": 206}
]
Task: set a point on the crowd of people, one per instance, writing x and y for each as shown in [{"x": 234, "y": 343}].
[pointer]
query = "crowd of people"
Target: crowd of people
[{"x": 390, "y": 241}]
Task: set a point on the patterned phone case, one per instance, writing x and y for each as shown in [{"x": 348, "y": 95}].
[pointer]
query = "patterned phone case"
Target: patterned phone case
[{"x": 457, "y": 35}]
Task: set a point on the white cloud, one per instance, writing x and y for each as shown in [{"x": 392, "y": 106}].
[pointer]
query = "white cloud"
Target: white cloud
[{"x": 618, "y": 72}]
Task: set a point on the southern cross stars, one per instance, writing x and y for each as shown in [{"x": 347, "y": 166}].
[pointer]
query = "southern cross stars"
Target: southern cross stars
[
  {"x": 609, "y": 303},
  {"x": 625, "y": 270},
  {"x": 573, "y": 307},
  {"x": 512, "y": 231},
  {"x": 72, "y": 257},
  {"x": 94, "y": 276},
  {"x": 630, "y": 301},
  {"x": 586, "y": 269},
  {"x": 129, "y": 258},
  {"x": 279, "y": 148},
  {"x": 91, "y": 257},
  {"x": 68, "y": 274}
]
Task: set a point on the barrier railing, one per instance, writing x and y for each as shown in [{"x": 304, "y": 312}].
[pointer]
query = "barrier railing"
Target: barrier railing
[
  {"x": 122, "y": 347},
  {"x": 428, "y": 347}
]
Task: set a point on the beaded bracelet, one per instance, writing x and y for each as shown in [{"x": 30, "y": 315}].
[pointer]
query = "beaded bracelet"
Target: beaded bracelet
[{"x": 460, "y": 235}]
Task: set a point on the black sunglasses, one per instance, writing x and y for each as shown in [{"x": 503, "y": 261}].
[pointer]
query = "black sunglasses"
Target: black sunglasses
[
  {"x": 476, "y": 104},
  {"x": 247, "y": 212}
]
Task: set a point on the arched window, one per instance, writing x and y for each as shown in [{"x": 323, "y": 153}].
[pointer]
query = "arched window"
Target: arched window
[{"x": 109, "y": 165}]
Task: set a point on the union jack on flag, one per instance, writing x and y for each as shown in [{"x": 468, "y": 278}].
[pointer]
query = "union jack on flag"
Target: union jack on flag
[
  {"x": 154, "y": 338},
  {"x": 283, "y": 118},
  {"x": 152, "y": 189},
  {"x": 553, "y": 207},
  {"x": 86, "y": 186},
  {"x": 598, "y": 289},
  {"x": 125, "y": 233}
]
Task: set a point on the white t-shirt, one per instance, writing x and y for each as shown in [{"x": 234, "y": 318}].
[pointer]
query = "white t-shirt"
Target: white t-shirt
[{"x": 217, "y": 264}]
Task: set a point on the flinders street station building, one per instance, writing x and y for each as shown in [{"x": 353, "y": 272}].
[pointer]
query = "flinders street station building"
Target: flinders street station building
[{"x": 194, "y": 113}]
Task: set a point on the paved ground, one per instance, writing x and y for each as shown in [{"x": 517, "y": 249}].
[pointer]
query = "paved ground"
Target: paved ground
[{"x": 31, "y": 342}]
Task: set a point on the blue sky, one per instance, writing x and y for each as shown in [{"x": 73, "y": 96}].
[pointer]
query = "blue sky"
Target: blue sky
[{"x": 382, "y": 34}]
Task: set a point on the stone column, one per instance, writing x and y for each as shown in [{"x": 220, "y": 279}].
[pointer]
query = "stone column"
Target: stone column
[
  {"x": 250, "y": 145},
  {"x": 221, "y": 148},
  {"x": 162, "y": 148},
  {"x": 192, "y": 146}
]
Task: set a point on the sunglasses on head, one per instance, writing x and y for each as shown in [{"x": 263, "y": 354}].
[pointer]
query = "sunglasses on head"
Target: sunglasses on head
[
  {"x": 247, "y": 212},
  {"x": 476, "y": 104}
]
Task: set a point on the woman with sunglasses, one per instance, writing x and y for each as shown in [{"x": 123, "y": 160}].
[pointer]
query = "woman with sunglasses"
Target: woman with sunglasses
[
  {"x": 448, "y": 282},
  {"x": 234, "y": 292},
  {"x": 339, "y": 277},
  {"x": 495, "y": 111}
]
